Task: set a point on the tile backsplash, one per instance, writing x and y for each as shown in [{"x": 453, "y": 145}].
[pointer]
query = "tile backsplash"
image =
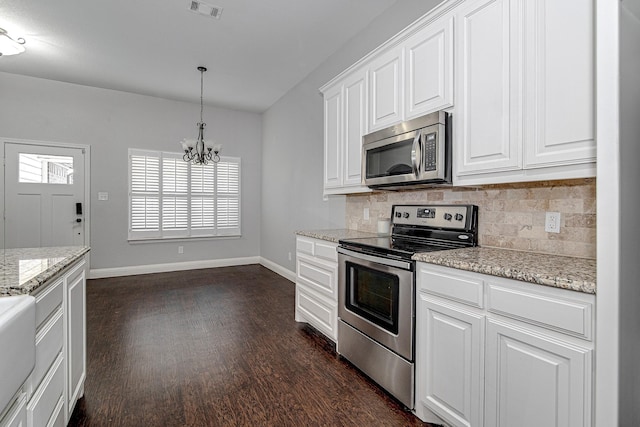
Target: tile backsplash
[{"x": 510, "y": 216}]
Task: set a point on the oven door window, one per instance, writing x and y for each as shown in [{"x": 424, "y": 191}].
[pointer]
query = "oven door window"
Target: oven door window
[{"x": 373, "y": 295}]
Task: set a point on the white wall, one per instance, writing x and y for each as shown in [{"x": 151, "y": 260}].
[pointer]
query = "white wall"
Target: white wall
[
  {"x": 629, "y": 390},
  {"x": 111, "y": 122},
  {"x": 293, "y": 144}
]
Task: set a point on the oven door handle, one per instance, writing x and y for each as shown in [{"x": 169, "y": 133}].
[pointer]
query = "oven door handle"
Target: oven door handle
[{"x": 405, "y": 265}]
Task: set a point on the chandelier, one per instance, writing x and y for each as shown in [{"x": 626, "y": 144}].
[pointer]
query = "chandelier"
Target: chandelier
[
  {"x": 198, "y": 151},
  {"x": 9, "y": 45}
]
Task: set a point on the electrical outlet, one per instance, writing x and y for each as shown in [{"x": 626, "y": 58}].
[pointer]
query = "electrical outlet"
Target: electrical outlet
[
  {"x": 366, "y": 214},
  {"x": 552, "y": 222},
  {"x": 180, "y": 249},
  {"x": 289, "y": 256}
]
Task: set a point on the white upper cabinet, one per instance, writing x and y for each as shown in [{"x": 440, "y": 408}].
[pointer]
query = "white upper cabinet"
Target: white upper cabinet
[
  {"x": 333, "y": 138},
  {"x": 386, "y": 89},
  {"x": 345, "y": 123},
  {"x": 524, "y": 91},
  {"x": 355, "y": 127},
  {"x": 429, "y": 68},
  {"x": 559, "y": 82},
  {"x": 485, "y": 136}
]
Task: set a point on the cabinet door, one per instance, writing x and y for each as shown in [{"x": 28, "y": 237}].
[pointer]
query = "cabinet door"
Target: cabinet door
[
  {"x": 559, "y": 82},
  {"x": 76, "y": 337},
  {"x": 355, "y": 127},
  {"x": 486, "y": 120},
  {"x": 333, "y": 137},
  {"x": 385, "y": 93},
  {"x": 429, "y": 68},
  {"x": 535, "y": 380},
  {"x": 449, "y": 361}
]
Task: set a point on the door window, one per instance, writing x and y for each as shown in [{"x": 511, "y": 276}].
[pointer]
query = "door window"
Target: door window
[{"x": 45, "y": 169}]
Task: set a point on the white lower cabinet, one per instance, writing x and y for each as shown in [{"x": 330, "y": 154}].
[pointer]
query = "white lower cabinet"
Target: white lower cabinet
[
  {"x": 534, "y": 379},
  {"x": 450, "y": 344},
  {"x": 497, "y": 352},
  {"x": 317, "y": 285},
  {"x": 57, "y": 380}
]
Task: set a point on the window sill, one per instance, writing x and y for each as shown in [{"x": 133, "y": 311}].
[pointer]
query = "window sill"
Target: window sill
[{"x": 180, "y": 239}]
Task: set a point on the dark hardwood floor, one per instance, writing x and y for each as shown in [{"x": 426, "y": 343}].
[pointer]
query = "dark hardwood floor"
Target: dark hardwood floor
[{"x": 217, "y": 347}]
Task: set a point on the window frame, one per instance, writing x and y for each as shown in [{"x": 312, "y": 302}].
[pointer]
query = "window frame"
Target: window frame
[{"x": 233, "y": 175}]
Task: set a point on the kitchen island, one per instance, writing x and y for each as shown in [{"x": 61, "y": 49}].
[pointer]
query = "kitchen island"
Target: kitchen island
[{"x": 56, "y": 278}]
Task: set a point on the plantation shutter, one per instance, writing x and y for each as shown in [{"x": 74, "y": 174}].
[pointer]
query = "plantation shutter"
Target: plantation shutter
[
  {"x": 228, "y": 196},
  {"x": 144, "y": 194},
  {"x": 170, "y": 198},
  {"x": 175, "y": 196}
]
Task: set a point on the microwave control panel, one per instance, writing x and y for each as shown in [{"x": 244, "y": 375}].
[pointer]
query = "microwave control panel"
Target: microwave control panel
[
  {"x": 430, "y": 151},
  {"x": 438, "y": 216}
]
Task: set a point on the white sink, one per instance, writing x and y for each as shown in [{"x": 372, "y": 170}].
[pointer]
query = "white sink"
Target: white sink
[{"x": 17, "y": 343}]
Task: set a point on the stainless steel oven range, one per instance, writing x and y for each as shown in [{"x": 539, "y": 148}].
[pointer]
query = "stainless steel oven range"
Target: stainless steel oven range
[{"x": 376, "y": 300}]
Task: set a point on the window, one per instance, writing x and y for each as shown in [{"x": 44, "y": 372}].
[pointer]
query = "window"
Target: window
[
  {"x": 170, "y": 198},
  {"x": 45, "y": 169}
]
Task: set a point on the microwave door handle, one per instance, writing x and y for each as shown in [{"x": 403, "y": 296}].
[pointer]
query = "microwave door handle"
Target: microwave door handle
[{"x": 415, "y": 153}]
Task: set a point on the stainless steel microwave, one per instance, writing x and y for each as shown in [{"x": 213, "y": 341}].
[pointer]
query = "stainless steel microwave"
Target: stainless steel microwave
[{"x": 413, "y": 153}]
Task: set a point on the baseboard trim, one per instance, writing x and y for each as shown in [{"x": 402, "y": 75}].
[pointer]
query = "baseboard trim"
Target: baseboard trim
[
  {"x": 278, "y": 269},
  {"x": 101, "y": 273}
]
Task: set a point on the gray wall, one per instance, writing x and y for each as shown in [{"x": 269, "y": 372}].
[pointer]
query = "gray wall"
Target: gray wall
[
  {"x": 292, "y": 159},
  {"x": 629, "y": 392},
  {"x": 111, "y": 122}
]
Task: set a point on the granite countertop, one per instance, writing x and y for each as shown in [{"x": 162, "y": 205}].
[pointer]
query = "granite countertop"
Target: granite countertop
[
  {"x": 24, "y": 270},
  {"x": 334, "y": 235},
  {"x": 577, "y": 274}
]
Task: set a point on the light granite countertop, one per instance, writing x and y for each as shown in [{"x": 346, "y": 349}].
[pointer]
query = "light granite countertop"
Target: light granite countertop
[
  {"x": 22, "y": 271},
  {"x": 577, "y": 274},
  {"x": 334, "y": 235}
]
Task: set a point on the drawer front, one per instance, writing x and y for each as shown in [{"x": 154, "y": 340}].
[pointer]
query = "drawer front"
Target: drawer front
[
  {"x": 48, "y": 300},
  {"x": 44, "y": 401},
  {"x": 448, "y": 284},
  {"x": 320, "y": 313},
  {"x": 543, "y": 308},
  {"x": 327, "y": 251},
  {"x": 304, "y": 245},
  {"x": 318, "y": 276},
  {"x": 48, "y": 346}
]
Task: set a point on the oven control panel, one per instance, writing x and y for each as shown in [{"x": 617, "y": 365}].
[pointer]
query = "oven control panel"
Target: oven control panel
[{"x": 436, "y": 216}]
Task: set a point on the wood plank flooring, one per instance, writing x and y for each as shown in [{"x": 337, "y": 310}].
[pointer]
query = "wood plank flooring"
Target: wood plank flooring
[{"x": 216, "y": 347}]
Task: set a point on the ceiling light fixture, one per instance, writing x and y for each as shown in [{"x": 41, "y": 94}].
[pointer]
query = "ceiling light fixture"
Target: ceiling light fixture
[
  {"x": 9, "y": 45},
  {"x": 199, "y": 151}
]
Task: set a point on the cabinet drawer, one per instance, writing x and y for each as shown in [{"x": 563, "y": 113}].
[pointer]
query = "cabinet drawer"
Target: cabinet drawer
[
  {"x": 304, "y": 245},
  {"x": 327, "y": 251},
  {"x": 317, "y": 275},
  {"x": 319, "y": 312},
  {"x": 48, "y": 346},
  {"x": 447, "y": 284},
  {"x": 317, "y": 248},
  {"x": 57, "y": 419},
  {"x": 48, "y": 300},
  {"x": 543, "y": 307},
  {"x": 44, "y": 401}
]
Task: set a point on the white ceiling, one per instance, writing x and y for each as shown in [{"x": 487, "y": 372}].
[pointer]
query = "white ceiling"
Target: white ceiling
[{"x": 255, "y": 53}]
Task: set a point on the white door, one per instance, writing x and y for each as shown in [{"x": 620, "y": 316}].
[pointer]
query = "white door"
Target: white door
[
  {"x": 44, "y": 196},
  {"x": 385, "y": 90}
]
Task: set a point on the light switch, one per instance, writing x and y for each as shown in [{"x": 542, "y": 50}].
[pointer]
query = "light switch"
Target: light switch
[{"x": 103, "y": 195}]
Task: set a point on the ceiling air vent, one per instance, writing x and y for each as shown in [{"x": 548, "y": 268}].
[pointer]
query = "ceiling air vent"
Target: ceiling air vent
[{"x": 203, "y": 8}]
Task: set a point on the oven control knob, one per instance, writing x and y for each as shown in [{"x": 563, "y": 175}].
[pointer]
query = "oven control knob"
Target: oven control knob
[
  {"x": 405, "y": 215},
  {"x": 459, "y": 217},
  {"x": 448, "y": 216},
  {"x": 398, "y": 214}
]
